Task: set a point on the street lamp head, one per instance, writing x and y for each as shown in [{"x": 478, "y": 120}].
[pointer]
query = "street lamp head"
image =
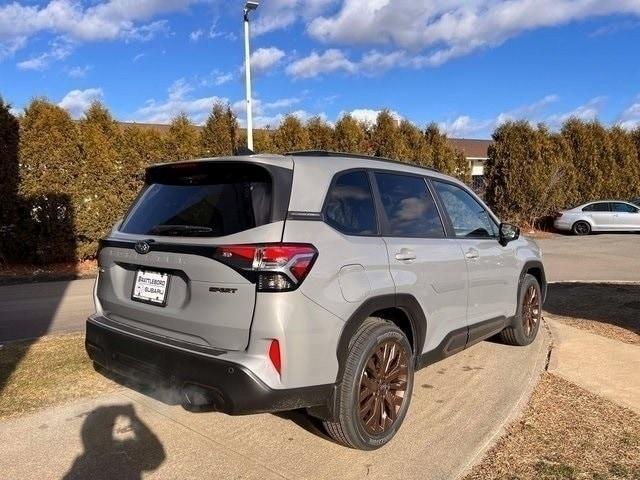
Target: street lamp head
[{"x": 251, "y": 6}]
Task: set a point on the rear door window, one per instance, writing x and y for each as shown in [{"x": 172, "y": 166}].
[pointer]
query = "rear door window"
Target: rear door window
[
  {"x": 597, "y": 207},
  {"x": 202, "y": 201},
  {"x": 349, "y": 207},
  {"x": 409, "y": 207}
]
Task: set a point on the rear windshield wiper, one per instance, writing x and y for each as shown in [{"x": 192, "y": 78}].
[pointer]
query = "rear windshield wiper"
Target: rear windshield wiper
[{"x": 179, "y": 229}]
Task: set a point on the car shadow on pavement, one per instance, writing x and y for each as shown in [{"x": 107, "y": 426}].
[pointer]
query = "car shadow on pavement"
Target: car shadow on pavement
[
  {"x": 609, "y": 303},
  {"x": 117, "y": 445},
  {"x": 305, "y": 421}
]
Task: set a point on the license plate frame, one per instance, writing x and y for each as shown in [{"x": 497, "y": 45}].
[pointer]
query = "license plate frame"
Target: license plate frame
[{"x": 138, "y": 296}]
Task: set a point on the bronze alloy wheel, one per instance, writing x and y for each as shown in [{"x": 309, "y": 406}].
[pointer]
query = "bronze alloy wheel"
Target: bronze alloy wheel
[
  {"x": 383, "y": 386},
  {"x": 531, "y": 311}
]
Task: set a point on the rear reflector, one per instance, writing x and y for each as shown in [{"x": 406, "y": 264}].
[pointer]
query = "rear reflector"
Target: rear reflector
[
  {"x": 279, "y": 267},
  {"x": 274, "y": 355}
]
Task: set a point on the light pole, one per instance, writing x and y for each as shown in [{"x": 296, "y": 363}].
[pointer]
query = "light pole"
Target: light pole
[{"x": 248, "y": 7}]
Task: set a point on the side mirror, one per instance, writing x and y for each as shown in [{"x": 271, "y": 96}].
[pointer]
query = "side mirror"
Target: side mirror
[{"x": 508, "y": 233}]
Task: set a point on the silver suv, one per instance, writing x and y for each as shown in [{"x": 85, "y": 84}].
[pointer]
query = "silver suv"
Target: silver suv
[{"x": 313, "y": 280}]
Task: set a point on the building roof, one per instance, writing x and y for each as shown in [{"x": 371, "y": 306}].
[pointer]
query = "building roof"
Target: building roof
[{"x": 472, "y": 148}]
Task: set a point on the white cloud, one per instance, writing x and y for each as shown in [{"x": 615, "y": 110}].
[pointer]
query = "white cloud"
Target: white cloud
[
  {"x": 60, "y": 49},
  {"x": 138, "y": 57},
  {"x": 76, "y": 102},
  {"x": 278, "y": 14},
  {"x": 195, "y": 35},
  {"x": 453, "y": 28},
  {"x": 281, "y": 103},
  {"x": 615, "y": 27},
  {"x": 587, "y": 112},
  {"x": 144, "y": 33},
  {"x": 178, "y": 101},
  {"x": 373, "y": 62},
  {"x": 265, "y": 58},
  {"x": 630, "y": 118},
  {"x": 222, "y": 79},
  {"x": 536, "y": 112},
  {"x": 270, "y": 114},
  {"x": 214, "y": 79},
  {"x": 10, "y": 46},
  {"x": 106, "y": 20},
  {"x": 369, "y": 116},
  {"x": 331, "y": 60},
  {"x": 78, "y": 71}
]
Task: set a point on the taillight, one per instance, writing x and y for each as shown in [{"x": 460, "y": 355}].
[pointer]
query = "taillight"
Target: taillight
[
  {"x": 557, "y": 215},
  {"x": 277, "y": 267}
]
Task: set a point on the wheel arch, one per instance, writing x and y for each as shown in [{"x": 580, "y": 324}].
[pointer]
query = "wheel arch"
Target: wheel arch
[
  {"x": 535, "y": 268},
  {"x": 401, "y": 309}
]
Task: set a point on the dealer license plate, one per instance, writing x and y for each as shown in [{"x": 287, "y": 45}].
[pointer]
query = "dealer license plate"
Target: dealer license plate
[{"x": 151, "y": 287}]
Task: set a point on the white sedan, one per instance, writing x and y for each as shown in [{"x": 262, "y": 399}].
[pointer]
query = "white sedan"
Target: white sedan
[{"x": 601, "y": 216}]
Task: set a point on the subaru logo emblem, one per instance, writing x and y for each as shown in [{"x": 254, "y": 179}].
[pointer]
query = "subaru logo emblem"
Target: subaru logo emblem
[{"x": 142, "y": 247}]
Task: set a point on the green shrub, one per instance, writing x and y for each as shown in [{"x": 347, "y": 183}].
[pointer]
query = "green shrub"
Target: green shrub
[
  {"x": 320, "y": 134},
  {"x": 218, "y": 137},
  {"x": 527, "y": 172},
  {"x": 183, "y": 140},
  {"x": 349, "y": 135},
  {"x": 444, "y": 157},
  {"x": 291, "y": 135},
  {"x": 49, "y": 184}
]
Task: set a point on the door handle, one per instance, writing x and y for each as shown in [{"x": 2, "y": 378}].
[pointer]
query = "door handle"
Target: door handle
[
  {"x": 405, "y": 255},
  {"x": 472, "y": 254}
]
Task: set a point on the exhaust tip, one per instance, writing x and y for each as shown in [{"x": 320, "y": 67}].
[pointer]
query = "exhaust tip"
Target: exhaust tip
[{"x": 197, "y": 398}]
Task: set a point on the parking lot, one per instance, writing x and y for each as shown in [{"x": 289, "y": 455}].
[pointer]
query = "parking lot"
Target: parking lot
[{"x": 598, "y": 257}]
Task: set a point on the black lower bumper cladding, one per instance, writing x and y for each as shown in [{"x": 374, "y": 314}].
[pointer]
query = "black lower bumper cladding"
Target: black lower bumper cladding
[{"x": 204, "y": 382}]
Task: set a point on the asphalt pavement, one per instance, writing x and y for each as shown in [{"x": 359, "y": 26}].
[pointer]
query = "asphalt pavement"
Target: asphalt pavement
[{"x": 35, "y": 309}]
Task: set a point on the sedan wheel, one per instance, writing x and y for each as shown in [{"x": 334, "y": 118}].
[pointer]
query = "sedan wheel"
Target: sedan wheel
[{"x": 581, "y": 228}]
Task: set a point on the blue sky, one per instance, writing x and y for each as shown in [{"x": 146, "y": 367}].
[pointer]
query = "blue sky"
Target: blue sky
[{"x": 466, "y": 64}]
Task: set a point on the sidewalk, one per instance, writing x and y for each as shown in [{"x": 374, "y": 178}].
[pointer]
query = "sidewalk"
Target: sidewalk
[{"x": 603, "y": 366}]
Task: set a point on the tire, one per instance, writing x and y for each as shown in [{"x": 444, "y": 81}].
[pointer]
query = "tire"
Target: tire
[
  {"x": 527, "y": 322},
  {"x": 360, "y": 380},
  {"x": 581, "y": 228}
]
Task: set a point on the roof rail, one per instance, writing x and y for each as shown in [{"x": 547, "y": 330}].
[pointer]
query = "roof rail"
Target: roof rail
[{"x": 328, "y": 153}]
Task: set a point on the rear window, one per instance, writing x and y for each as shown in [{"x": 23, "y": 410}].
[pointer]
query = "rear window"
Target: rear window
[
  {"x": 596, "y": 207},
  {"x": 208, "y": 200}
]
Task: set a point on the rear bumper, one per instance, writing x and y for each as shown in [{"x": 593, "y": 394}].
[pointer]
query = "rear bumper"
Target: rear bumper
[
  {"x": 562, "y": 224},
  {"x": 201, "y": 380}
]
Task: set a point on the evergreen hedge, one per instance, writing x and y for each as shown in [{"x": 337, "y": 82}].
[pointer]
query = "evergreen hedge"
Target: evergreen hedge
[{"x": 64, "y": 183}]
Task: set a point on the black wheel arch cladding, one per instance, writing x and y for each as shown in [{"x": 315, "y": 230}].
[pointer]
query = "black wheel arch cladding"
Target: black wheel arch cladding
[
  {"x": 405, "y": 303},
  {"x": 535, "y": 268}
]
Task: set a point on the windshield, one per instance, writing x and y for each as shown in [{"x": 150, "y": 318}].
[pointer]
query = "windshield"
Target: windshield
[{"x": 208, "y": 201}]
